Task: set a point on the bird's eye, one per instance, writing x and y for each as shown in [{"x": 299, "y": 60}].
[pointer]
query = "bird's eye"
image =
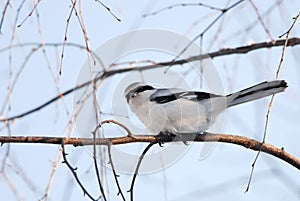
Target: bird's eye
[{"x": 134, "y": 94}]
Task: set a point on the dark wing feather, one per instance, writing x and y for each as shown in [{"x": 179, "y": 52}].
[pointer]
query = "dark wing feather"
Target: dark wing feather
[{"x": 162, "y": 96}]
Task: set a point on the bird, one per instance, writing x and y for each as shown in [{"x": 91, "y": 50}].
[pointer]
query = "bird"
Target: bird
[{"x": 173, "y": 110}]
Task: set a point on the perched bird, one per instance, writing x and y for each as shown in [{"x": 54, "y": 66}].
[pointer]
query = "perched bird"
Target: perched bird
[{"x": 171, "y": 110}]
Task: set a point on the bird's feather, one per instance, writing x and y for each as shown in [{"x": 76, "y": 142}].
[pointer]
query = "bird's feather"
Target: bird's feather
[{"x": 162, "y": 96}]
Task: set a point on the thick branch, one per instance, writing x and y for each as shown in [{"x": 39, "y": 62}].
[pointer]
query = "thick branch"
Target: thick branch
[{"x": 208, "y": 137}]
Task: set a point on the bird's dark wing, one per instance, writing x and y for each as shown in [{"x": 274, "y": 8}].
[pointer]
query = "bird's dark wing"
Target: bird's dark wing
[
  {"x": 164, "y": 95},
  {"x": 167, "y": 95}
]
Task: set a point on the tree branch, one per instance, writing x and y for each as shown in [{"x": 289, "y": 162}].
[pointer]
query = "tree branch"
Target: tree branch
[
  {"x": 73, "y": 170},
  {"x": 222, "y": 52},
  {"x": 207, "y": 137},
  {"x": 137, "y": 169},
  {"x": 115, "y": 173}
]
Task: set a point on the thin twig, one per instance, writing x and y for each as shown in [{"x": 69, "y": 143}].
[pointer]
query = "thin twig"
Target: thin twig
[
  {"x": 30, "y": 13},
  {"x": 79, "y": 17},
  {"x": 10, "y": 56},
  {"x": 16, "y": 167},
  {"x": 223, "y": 11},
  {"x": 117, "y": 123},
  {"x": 73, "y": 170},
  {"x": 181, "y": 5},
  {"x": 96, "y": 164},
  {"x": 290, "y": 29},
  {"x": 3, "y": 14},
  {"x": 40, "y": 45},
  {"x": 271, "y": 101},
  {"x": 65, "y": 36},
  {"x": 7, "y": 151},
  {"x": 137, "y": 169},
  {"x": 285, "y": 44},
  {"x": 12, "y": 187},
  {"x": 259, "y": 16},
  {"x": 218, "y": 32},
  {"x": 47, "y": 59},
  {"x": 109, "y": 151},
  {"x": 254, "y": 23},
  {"x": 70, "y": 126},
  {"x": 51, "y": 177},
  {"x": 114, "y": 172},
  {"x": 109, "y": 10},
  {"x": 37, "y": 47}
]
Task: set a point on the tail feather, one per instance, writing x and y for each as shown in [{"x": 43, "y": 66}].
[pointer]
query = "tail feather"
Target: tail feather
[{"x": 258, "y": 91}]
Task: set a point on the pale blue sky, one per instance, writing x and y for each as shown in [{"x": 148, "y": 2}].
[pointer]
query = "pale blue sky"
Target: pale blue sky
[{"x": 224, "y": 173}]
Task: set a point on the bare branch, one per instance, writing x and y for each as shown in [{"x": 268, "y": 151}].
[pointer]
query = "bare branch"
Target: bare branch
[
  {"x": 182, "y": 5},
  {"x": 223, "y": 11},
  {"x": 65, "y": 36},
  {"x": 272, "y": 99},
  {"x": 30, "y": 13},
  {"x": 114, "y": 172},
  {"x": 117, "y": 123},
  {"x": 96, "y": 164},
  {"x": 73, "y": 170},
  {"x": 260, "y": 19},
  {"x": 3, "y": 14},
  {"x": 207, "y": 137},
  {"x": 285, "y": 44},
  {"x": 137, "y": 169},
  {"x": 109, "y": 10}
]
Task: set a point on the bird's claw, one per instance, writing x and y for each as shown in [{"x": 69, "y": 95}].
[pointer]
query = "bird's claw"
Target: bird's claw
[{"x": 160, "y": 144}]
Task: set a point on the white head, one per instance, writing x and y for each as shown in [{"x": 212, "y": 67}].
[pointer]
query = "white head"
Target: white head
[{"x": 133, "y": 89}]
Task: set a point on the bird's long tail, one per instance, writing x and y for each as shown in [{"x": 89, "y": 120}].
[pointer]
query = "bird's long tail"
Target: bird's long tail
[{"x": 256, "y": 92}]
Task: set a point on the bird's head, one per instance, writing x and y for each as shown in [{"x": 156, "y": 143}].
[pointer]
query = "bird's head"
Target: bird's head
[{"x": 135, "y": 88}]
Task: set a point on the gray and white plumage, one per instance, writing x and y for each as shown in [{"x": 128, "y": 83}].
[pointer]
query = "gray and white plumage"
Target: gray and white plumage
[{"x": 178, "y": 111}]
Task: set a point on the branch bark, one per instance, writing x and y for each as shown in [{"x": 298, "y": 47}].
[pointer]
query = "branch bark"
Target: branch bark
[{"x": 207, "y": 137}]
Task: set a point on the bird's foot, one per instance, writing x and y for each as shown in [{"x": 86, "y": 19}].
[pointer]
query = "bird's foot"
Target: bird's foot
[
  {"x": 173, "y": 135},
  {"x": 165, "y": 136}
]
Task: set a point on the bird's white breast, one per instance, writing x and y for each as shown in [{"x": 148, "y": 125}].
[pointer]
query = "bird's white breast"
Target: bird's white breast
[{"x": 180, "y": 115}]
